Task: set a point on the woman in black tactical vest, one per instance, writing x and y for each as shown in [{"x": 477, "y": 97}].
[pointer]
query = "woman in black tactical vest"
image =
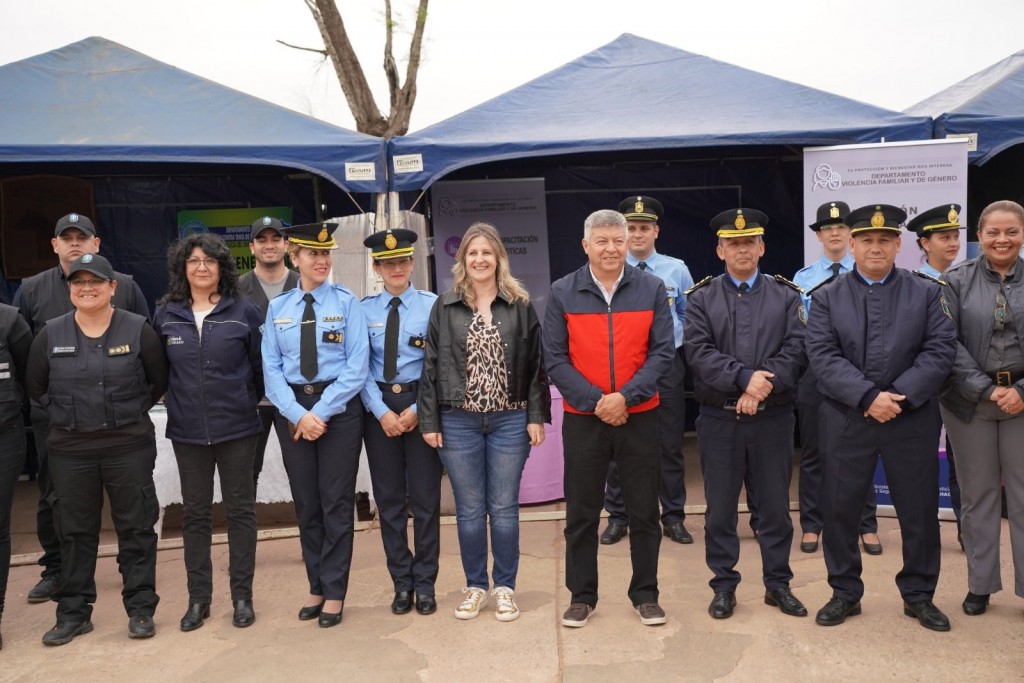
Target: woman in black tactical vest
[
  {"x": 98, "y": 371},
  {"x": 15, "y": 340}
]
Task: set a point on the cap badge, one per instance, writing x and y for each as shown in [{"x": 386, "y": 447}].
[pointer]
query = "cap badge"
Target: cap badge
[
  {"x": 953, "y": 216},
  {"x": 73, "y": 218},
  {"x": 322, "y": 235},
  {"x": 639, "y": 206},
  {"x": 833, "y": 212},
  {"x": 878, "y": 219},
  {"x": 267, "y": 220},
  {"x": 389, "y": 241},
  {"x": 740, "y": 221},
  {"x": 86, "y": 258}
]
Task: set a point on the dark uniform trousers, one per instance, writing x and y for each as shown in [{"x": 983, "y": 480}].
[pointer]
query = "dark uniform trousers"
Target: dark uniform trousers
[
  {"x": 12, "y": 461},
  {"x": 590, "y": 444},
  {"x": 45, "y": 527},
  {"x": 322, "y": 476},
  {"x": 672, "y": 421},
  {"x": 79, "y": 482},
  {"x": 809, "y": 400},
  {"x": 852, "y": 444},
  {"x": 730, "y": 448},
  {"x": 406, "y": 468}
]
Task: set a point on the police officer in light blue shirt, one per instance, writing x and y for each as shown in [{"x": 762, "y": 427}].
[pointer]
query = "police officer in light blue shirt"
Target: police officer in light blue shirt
[
  {"x": 642, "y": 216},
  {"x": 402, "y": 465},
  {"x": 315, "y": 357},
  {"x": 834, "y": 235}
]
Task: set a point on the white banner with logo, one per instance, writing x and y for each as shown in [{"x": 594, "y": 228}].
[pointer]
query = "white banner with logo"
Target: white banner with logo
[
  {"x": 515, "y": 207},
  {"x": 915, "y": 176}
]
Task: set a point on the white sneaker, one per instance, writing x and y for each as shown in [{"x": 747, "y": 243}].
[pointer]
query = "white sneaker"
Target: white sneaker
[
  {"x": 475, "y": 599},
  {"x": 506, "y": 609}
]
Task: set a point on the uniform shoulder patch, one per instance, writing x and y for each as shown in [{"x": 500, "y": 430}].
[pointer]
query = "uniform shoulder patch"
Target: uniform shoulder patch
[
  {"x": 697, "y": 286},
  {"x": 789, "y": 283},
  {"x": 926, "y": 276}
]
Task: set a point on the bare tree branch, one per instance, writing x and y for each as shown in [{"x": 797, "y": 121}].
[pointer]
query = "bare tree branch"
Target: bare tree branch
[{"x": 319, "y": 51}]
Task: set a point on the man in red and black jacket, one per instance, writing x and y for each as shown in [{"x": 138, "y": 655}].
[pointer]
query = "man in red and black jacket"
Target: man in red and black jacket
[{"x": 608, "y": 337}]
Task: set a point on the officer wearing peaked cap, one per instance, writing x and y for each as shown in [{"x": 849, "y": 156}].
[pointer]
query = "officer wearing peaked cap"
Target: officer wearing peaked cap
[
  {"x": 744, "y": 347},
  {"x": 41, "y": 298},
  {"x": 402, "y": 465},
  {"x": 880, "y": 372},
  {"x": 268, "y": 278},
  {"x": 643, "y": 215},
  {"x": 834, "y": 234},
  {"x": 315, "y": 360}
]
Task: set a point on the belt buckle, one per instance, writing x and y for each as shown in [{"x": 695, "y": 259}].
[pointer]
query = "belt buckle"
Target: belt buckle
[
  {"x": 308, "y": 389},
  {"x": 396, "y": 388},
  {"x": 1003, "y": 378}
]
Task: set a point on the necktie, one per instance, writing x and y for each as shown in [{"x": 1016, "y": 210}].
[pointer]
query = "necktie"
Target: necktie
[
  {"x": 744, "y": 287},
  {"x": 307, "y": 340},
  {"x": 391, "y": 341},
  {"x": 642, "y": 265},
  {"x": 835, "y": 269}
]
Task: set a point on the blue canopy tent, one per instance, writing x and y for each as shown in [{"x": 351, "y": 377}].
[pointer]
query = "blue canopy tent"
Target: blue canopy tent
[
  {"x": 989, "y": 104},
  {"x": 154, "y": 139},
  {"x": 637, "y": 115}
]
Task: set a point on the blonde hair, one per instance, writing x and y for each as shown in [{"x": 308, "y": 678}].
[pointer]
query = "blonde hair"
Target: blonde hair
[{"x": 510, "y": 288}]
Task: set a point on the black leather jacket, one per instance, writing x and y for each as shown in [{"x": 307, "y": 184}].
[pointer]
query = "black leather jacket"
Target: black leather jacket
[{"x": 443, "y": 381}]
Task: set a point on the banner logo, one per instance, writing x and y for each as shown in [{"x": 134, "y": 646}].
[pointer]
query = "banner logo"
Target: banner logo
[{"x": 825, "y": 177}]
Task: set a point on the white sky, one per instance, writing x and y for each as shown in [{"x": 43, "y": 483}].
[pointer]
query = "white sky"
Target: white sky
[{"x": 890, "y": 53}]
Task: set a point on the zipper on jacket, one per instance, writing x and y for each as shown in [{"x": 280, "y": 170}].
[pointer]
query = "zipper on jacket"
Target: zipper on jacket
[
  {"x": 611, "y": 350},
  {"x": 202, "y": 391}
]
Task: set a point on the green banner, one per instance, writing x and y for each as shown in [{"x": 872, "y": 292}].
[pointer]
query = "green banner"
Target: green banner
[{"x": 232, "y": 225}]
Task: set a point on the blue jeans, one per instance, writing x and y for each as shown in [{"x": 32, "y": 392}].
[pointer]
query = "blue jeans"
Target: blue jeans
[{"x": 484, "y": 454}]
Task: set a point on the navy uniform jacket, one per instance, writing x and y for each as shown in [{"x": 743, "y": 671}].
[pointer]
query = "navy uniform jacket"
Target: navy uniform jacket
[
  {"x": 730, "y": 335},
  {"x": 894, "y": 336},
  {"x": 414, "y": 312}
]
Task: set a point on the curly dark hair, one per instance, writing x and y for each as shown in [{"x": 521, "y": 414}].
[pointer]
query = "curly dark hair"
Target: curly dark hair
[{"x": 179, "y": 252}]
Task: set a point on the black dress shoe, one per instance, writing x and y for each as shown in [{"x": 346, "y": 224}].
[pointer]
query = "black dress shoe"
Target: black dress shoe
[
  {"x": 426, "y": 604},
  {"x": 613, "y": 534},
  {"x": 871, "y": 548},
  {"x": 402, "y": 604},
  {"x": 930, "y": 616},
  {"x": 975, "y": 604},
  {"x": 678, "y": 533},
  {"x": 809, "y": 546},
  {"x": 65, "y": 631},
  {"x": 193, "y": 619},
  {"x": 787, "y": 603},
  {"x": 244, "y": 615},
  {"x": 141, "y": 626},
  {"x": 309, "y": 613},
  {"x": 835, "y": 612},
  {"x": 327, "y": 619},
  {"x": 44, "y": 590},
  {"x": 722, "y": 605}
]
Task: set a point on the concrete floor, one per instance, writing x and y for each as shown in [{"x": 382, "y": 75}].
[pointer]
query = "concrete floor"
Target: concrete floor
[{"x": 757, "y": 644}]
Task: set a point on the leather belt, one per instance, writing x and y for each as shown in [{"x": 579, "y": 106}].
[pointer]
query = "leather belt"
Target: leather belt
[
  {"x": 312, "y": 388},
  {"x": 396, "y": 388},
  {"x": 1006, "y": 378}
]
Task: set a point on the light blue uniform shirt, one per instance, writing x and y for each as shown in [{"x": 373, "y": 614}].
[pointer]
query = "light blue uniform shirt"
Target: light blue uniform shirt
[
  {"x": 676, "y": 276},
  {"x": 750, "y": 282},
  {"x": 813, "y": 275},
  {"x": 343, "y": 360},
  {"x": 927, "y": 269},
  {"x": 413, "y": 313}
]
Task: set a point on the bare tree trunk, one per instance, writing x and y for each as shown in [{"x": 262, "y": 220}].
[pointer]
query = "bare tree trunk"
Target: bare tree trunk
[{"x": 350, "y": 72}]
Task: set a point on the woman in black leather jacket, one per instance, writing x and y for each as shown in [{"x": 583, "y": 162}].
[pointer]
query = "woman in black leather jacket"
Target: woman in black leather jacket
[{"x": 483, "y": 402}]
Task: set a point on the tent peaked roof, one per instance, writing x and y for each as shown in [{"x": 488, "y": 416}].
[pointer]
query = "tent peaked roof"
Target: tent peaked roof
[
  {"x": 635, "y": 93},
  {"x": 96, "y": 100},
  {"x": 989, "y": 103}
]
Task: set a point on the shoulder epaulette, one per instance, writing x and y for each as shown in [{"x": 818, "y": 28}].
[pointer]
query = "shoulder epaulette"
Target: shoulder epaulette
[
  {"x": 821, "y": 284},
  {"x": 789, "y": 283},
  {"x": 697, "y": 286},
  {"x": 926, "y": 276}
]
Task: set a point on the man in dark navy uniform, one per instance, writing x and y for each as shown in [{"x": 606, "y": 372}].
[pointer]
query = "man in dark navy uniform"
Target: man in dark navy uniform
[
  {"x": 744, "y": 343},
  {"x": 881, "y": 342},
  {"x": 42, "y": 298}
]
